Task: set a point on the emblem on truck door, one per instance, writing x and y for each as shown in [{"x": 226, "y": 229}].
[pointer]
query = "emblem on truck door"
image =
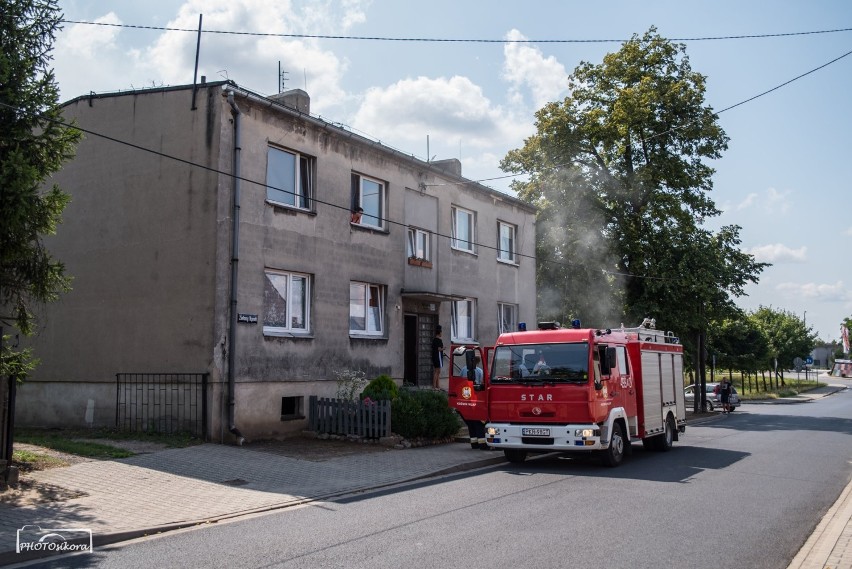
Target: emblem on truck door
[{"x": 466, "y": 392}]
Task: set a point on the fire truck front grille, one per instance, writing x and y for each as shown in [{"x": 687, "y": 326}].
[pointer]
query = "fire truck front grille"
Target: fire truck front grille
[{"x": 536, "y": 441}]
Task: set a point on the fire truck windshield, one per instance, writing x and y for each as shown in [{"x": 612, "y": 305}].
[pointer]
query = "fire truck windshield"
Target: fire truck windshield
[{"x": 547, "y": 363}]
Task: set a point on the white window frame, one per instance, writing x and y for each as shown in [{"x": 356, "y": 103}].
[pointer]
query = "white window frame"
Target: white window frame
[
  {"x": 296, "y": 188},
  {"x": 463, "y": 242},
  {"x": 418, "y": 244},
  {"x": 504, "y": 325},
  {"x": 297, "y": 296},
  {"x": 506, "y": 252},
  {"x": 371, "y": 216},
  {"x": 360, "y": 296},
  {"x": 463, "y": 320}
]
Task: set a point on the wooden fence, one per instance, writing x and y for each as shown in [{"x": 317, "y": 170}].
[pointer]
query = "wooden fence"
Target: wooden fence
[{"x": 340, "y": 417}]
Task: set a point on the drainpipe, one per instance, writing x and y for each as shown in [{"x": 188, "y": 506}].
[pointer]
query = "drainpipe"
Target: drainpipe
[{"x": 235, "y": 256}]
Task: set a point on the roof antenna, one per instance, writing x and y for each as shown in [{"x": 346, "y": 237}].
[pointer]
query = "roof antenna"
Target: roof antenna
[{"x": 282, "y": 77}]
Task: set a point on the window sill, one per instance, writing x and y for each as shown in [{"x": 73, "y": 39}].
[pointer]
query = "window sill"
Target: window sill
[
  {"x": 368, "y": 337},
  {"x": 369, "y": 228},
  {"x": 467, "y": 251},
  {"x": 420, "y": 263},
  {"x": 288, "y": 209},
  {"x": 291, "y": 335},
  {"x": 507, "y": 262}
]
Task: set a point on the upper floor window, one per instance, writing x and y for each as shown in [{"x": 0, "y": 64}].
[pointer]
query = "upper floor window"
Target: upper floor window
[
  {"x": 366, "y": 309},
  {"x": 286, "y": 302},
  {"x": 506, "y": 242},
  {"x": 289, "y": 178},
  {"x": 370, "y": 196},
  {"x": 418, "y": 244},
  {"x": 507, "y": 317},
  {"x": 463, "y": 229},
  {"x": 462, "y": 318}
]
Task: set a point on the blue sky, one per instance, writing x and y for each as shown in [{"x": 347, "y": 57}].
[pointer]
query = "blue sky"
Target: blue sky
[{"x": 785, "y": 178}]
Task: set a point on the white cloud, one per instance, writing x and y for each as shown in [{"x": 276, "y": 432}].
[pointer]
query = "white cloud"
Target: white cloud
[
  {"x": 525, "y": 66},
  {"x": 248, "y": 57},
  {"x": 778, "y": 253},
  {"x": 815, "y": 291},
  {"x": 82, "y": 40},
  {"x": 771, "y": 201},
  {"x": 447, "y": 109}
]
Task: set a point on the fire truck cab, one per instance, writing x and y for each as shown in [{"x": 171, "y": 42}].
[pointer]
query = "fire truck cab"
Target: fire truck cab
[{"x": 585, "y": 390}]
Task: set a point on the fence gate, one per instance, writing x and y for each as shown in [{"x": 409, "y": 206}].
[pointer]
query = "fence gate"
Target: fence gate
[{"x": 162, "y": 402}]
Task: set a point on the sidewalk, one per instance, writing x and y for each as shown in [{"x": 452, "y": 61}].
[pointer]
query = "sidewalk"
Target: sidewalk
[{"x": 166, "y": 490}]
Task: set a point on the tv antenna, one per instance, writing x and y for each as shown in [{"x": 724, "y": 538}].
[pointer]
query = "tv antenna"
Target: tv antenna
[{"x": 282, "y": 77}]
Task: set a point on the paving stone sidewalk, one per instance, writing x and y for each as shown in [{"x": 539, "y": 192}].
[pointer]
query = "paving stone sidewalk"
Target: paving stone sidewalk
[{"x": 161, "y": 490}]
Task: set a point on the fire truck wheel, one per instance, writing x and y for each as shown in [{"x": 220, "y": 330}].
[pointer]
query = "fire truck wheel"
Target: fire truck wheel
[
  {"x": 666, "y": 440},
  {"x": 614, "y": 455},
  {"x": 515, "y": 455}
]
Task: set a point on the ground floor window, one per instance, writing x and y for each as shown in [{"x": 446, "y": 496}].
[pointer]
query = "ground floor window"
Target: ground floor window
[
  {"x": 286, "y": 302},
  {"x": 366, "y": 309},
  {"x": 462, "y": 314}
]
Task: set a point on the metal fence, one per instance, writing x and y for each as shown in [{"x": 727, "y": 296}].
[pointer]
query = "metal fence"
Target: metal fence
[
  {"x": 340, "y": 417},
  {"x": 162, "y": 402}
]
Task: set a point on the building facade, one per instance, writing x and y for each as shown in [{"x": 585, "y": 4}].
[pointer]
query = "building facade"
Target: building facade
[{"x": 213, "y": 230}]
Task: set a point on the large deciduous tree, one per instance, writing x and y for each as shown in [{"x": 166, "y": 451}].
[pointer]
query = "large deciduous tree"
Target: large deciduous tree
[
  {"x": 33, "y": 145},
  {"x": 619, "y": 172},
  {"x": 788, "y": 337}
]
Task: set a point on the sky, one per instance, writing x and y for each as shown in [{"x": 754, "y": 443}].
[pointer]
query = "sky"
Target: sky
[{"x": 785, "y": 178}]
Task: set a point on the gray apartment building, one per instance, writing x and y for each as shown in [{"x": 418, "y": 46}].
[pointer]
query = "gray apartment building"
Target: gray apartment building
[{"x": 211, "y": 231}]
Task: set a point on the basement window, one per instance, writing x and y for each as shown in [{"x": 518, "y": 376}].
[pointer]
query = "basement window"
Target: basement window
[{"x": 291, "y": 408}]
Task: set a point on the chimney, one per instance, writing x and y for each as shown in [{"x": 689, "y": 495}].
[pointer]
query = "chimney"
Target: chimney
[
  {"x": 294, "y": 99},
  {"x": 450, "y": 165}
]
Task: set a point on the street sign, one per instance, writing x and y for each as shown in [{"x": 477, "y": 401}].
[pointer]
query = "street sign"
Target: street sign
[{"x": 809, "y": 360}]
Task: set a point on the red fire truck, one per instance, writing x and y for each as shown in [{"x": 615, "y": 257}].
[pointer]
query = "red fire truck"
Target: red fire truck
[{"x": 585, "y": 390}]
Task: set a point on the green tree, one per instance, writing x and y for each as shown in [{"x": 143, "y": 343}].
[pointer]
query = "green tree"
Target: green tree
[
  {"x": 33, "y": 145},
  {"x": 618, "y": 171},
  {"x": 787, "y": 335}
]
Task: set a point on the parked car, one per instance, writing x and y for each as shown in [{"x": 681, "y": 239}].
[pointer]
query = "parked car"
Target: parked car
[{"x": 712, "y": 398}]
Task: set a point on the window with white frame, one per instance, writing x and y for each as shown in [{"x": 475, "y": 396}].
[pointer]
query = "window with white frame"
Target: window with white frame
[
  {"x": 366, "y": 309},
  {"x": 463, "y": 229},
  {"x": 289, "y": 178},
  {"x": 286, "y": 303},
  {"x": 370, "y": 196},
  {"x": 463, "y": 320},
  {"x": 418, "y": 244},
  {"x": 507, "y": 317},
  {"x": 506, "y": 242}
]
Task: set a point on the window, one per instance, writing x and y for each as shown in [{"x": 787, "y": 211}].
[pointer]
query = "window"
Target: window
[
  {"x": 463, "y": 229},
  {"x": 289, "y": 178},
  {"x": 286, "y": 303},
  {"x": 461, "y": 313},
  {"x": 507, "y": 317},
  {"x": 505, "y": 242},
  {"x": 366, "y": 309},
  {"x": 369, "y": 195},
  {"x": 291, "y": 408},
  {"x": 418, "y": 244}
]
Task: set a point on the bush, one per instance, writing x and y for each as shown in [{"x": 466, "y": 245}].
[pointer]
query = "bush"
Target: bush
[
  {"x": 383, "y": 388},
  {"x": 423, "y": 413}
]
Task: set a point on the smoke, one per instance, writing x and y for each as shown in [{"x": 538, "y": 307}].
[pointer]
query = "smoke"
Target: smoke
[{"x": 576, "y": 258}]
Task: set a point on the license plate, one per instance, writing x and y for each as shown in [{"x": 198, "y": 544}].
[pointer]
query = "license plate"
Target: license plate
[{"x": 535, "y": 432}]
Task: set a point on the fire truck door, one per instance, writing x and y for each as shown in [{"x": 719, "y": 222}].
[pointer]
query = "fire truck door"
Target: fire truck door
[
  {"x": 466, "y": 396},
  {"x": 623, "y": 378}
]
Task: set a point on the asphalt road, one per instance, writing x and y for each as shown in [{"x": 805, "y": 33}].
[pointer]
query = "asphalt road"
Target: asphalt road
[{"x": 742, "y": 490}]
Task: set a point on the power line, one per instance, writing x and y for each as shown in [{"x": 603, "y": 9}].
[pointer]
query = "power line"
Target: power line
[
  {"x": 445, "y": 40},
  {"x": 230, "y": 175}
]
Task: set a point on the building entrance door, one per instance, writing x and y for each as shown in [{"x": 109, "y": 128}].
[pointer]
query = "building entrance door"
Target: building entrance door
[{"x": 419, "y": 331}]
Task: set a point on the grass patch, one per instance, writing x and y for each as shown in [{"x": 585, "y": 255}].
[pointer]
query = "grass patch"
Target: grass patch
[
  {"x": 28, "y": 460},
  {"x": 59, "y": 441},
  {"x": 78, "y": 441}
]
